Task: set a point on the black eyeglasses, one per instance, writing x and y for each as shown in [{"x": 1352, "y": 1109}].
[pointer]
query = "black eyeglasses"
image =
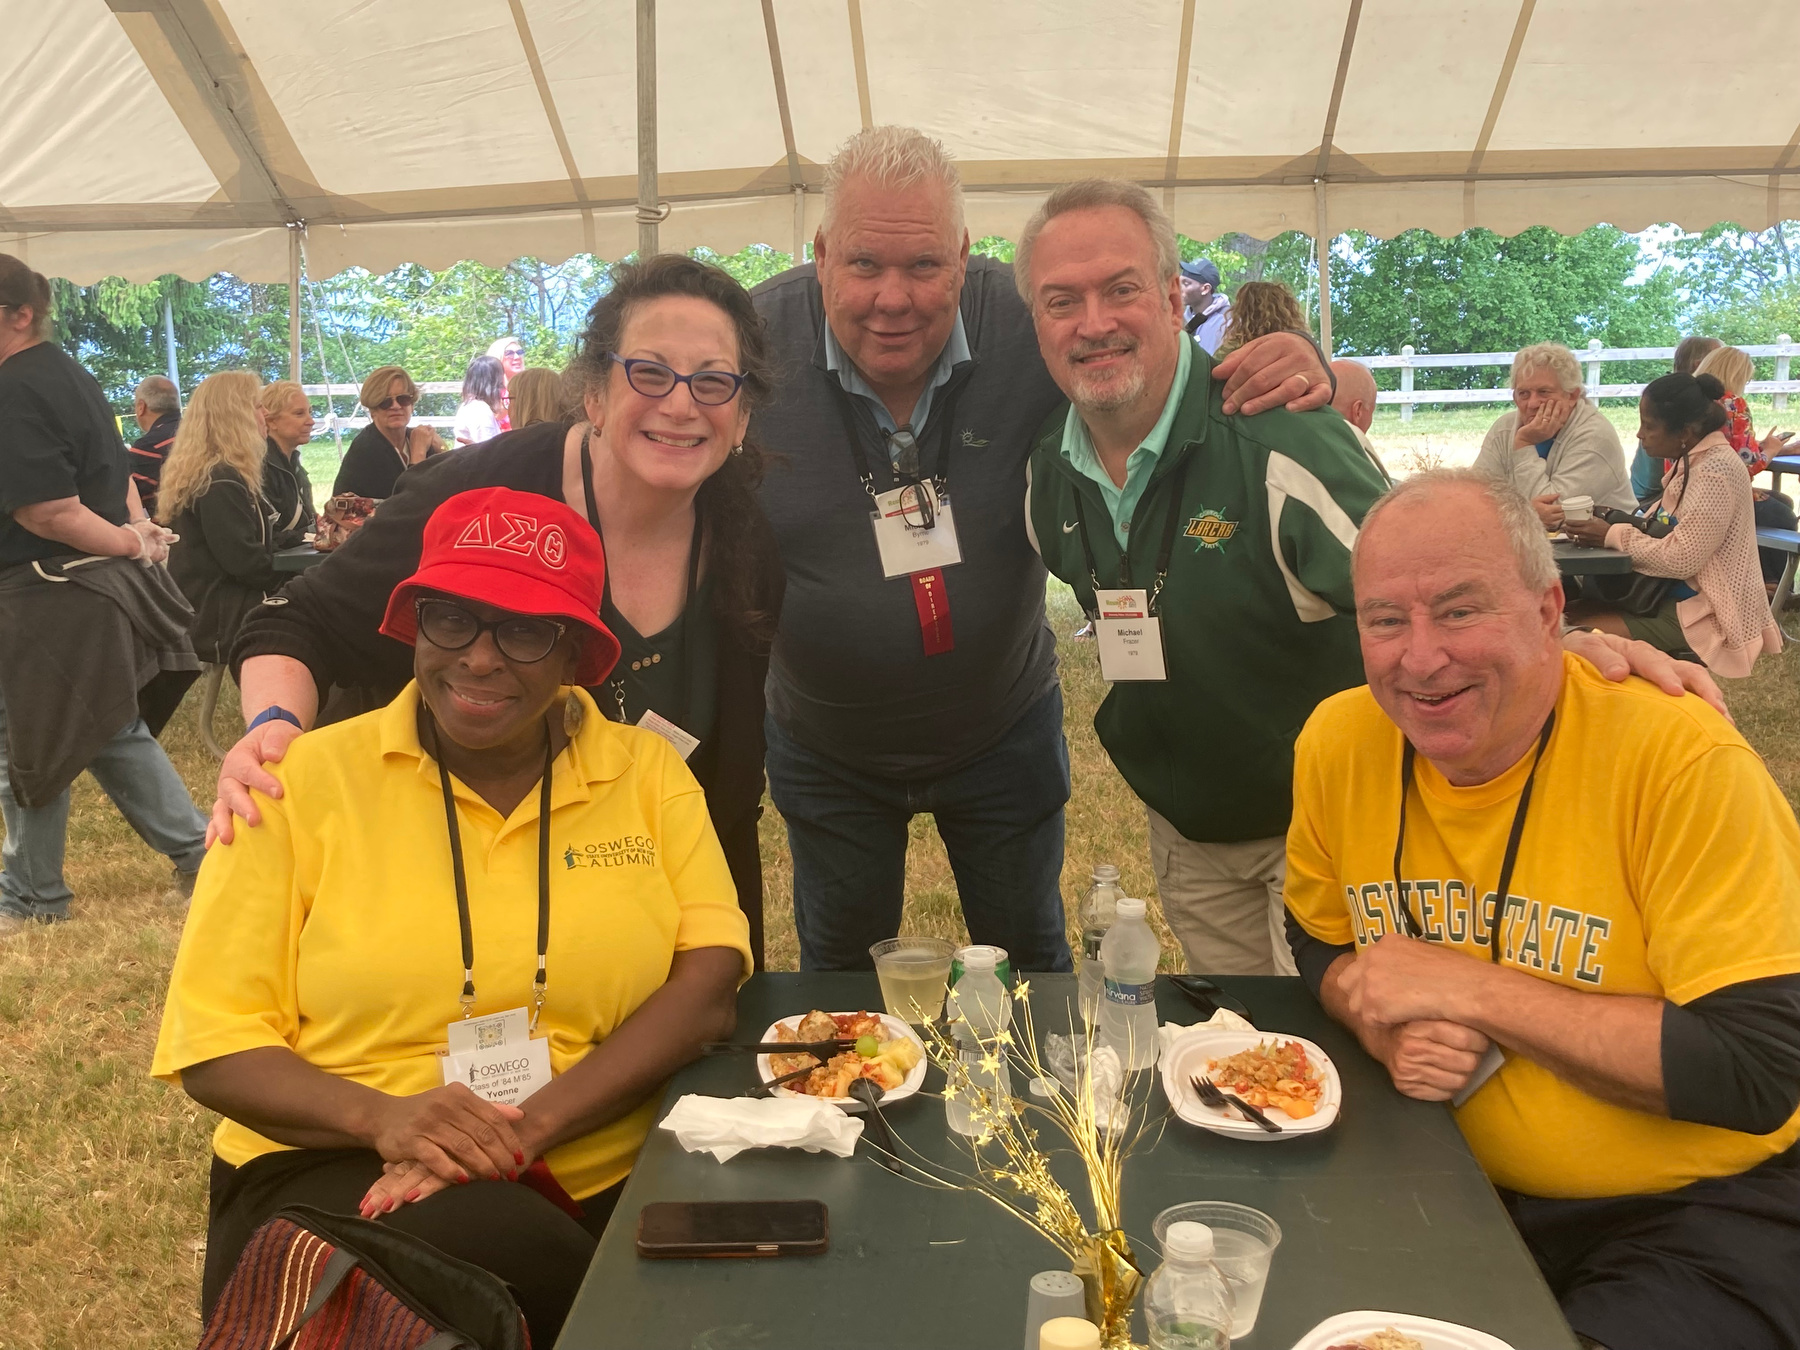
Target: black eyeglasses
[
  {"x": 918, "y": 503},
  {"x": 653, "y": 379},
  {"x": 404, "y": 400},
  {"x": 447, "y": 625}
]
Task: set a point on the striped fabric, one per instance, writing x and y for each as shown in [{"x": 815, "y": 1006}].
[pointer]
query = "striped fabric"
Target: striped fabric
[{"x": 293, "y": 1290}]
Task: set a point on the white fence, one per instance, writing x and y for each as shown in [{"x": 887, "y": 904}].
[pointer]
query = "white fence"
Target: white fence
[
  {"x": 1592, "y": 359},
  {"x": 335, "y": 422}
]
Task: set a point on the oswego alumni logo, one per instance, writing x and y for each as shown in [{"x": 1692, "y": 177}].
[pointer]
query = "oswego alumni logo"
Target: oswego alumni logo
[
  {"x": 1211, "y": 529},
  {"x": 510, "y": 532},
  {"x": 628, "y": 850}
]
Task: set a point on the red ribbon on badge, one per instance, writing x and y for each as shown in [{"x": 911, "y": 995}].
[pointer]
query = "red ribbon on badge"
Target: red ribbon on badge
[{"x": 933, "y": 602}]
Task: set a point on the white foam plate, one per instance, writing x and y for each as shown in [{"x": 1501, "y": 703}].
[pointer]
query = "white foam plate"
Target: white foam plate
[
  {"x": 1187, "y": 1058},
  {"x": 895, "y": 1027},
  {"x": 1428, "y": 1331}
]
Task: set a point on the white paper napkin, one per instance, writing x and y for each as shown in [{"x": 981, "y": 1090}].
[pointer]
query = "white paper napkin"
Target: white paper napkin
[
  {"x": 1168, "y": 1033},
  {"x": 726, "y": 1126}
]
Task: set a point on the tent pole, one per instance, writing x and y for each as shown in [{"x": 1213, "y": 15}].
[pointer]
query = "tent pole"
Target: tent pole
[
  {"x": 799, "y": 224},
  {"x": 169, "y": 346},
  {"x": 648, "y": 212},
  {"x": 294, "y": 303},
  {"x": 1322, "y": 241}
]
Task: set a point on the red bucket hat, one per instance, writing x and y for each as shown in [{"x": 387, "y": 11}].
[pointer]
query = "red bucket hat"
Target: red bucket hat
[{"x": 516, "y": 551}]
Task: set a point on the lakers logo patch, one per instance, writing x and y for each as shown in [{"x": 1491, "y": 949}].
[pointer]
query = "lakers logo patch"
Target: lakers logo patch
[{"x": 1210, "y": 529}]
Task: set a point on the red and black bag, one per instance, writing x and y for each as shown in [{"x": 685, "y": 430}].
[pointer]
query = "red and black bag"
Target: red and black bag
[{"x": 308, "y": 1280}]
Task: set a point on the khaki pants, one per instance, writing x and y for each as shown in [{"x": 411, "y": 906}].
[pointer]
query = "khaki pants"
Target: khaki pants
[{"x": 1223, "y": 901}]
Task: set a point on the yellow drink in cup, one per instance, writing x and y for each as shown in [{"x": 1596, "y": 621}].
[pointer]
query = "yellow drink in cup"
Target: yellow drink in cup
[{"x": 914, "y": 973}]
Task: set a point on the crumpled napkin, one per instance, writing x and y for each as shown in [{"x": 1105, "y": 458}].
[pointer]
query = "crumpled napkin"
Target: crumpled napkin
[
  {"x": 726, "y": 1126},
  {"x": 1168, "y": 1033}
]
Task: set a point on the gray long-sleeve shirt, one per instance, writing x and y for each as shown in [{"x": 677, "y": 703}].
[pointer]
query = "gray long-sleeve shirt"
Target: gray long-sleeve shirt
[
  {"x": 849, "y": 677},
  {"x": 1585, "y": 459}
]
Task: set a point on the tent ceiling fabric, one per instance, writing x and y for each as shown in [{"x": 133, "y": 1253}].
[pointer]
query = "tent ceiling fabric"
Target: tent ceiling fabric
[{"x": 139, "y": 137}]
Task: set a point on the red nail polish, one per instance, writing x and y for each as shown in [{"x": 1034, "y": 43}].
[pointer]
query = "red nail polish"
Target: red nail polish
[
  {"x": 519, "y": 1156},
  {"x": 412, "y": 1195},
  {"x": 462, "y": 1178},
  {"x": 512, "y": 1174}
]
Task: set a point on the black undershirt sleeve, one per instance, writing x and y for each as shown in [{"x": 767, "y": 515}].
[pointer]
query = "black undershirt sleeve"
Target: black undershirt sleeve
[
  {"x": 1313, "y": 956},
  {"x": 1731, "y": 1058}
]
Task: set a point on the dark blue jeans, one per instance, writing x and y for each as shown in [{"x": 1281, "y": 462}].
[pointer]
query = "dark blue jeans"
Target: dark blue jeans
[{"x": 1001, "y": 820}]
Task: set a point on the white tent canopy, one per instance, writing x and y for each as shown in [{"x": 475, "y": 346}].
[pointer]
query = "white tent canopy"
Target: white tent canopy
[{"x": 141, "y": 137}]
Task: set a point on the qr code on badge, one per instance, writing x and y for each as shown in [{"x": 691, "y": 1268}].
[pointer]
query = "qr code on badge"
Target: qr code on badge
[{"x": 488, "y": 1035}]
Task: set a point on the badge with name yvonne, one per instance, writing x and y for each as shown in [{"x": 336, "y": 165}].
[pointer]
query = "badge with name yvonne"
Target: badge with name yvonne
[
  {"x": 684, "y": 744},
  {"x": 497, "y": 1057},
  {"x": 914, "y": 530},
  {"x": 1131, "y": 646}
]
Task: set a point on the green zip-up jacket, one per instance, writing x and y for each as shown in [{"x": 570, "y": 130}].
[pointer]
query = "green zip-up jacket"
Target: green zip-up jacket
[{"x": 1257, "y": 612}]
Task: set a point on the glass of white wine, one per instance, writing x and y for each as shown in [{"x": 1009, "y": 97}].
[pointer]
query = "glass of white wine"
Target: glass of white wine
[{"x": 914, "y": 973}]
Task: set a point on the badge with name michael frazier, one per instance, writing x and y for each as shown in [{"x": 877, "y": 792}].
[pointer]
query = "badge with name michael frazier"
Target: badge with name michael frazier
[
  {"x": 685, "y": 744},
  {"x": 497, "y": 1057},
  {"x": 1131, "y": 645},
  {"x": 914, "y": 530}
]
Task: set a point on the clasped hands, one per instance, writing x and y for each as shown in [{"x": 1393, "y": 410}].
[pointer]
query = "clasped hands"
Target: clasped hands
[
  {"x": 445, "y": 1137},
  {"x": 152, "y": 541},
  {"x": 1407, "y": 1002}
]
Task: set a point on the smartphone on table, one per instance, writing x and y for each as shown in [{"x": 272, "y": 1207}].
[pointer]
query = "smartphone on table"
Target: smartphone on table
[{"x": 733, "y": 1228}]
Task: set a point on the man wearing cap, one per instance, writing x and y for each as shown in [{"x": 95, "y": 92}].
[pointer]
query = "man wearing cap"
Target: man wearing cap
[
  {"x": 472, "y": 938},
  {"x": 1208, "y": 307}
]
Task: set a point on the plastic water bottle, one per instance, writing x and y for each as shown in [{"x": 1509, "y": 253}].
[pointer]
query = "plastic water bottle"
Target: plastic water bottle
[
  {"x": 1129, "y": 953},
  {"x": 1188, "y": 1304},
  {"x": 1096, "y": 917},
  {"x": 982, "y": 1009}
]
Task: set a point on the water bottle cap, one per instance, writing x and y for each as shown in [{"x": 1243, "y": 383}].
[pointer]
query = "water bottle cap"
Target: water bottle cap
[
  {"x": 1190, "y": 1241},
  {"x": 979, "y": 958},
  {"x": 1129, "y": 908},
  {"x": 1105, "y": 872}
]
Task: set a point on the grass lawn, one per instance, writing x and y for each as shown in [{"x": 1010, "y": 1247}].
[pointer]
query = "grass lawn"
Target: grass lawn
[{"x": 102, "y": 1171}]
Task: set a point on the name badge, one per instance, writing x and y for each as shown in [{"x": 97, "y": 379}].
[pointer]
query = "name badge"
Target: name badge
[
  {"x": 1131, "y": 646},
  {"x": 904, "y": 549},
  {"x": 496, "y": 1056},
  {"x": 684, "y": 744}
]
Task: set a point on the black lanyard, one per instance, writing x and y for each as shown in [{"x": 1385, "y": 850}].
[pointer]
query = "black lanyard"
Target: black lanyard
[
  {"x": 617, "y": 685},
  {"x": 540, "y": 980},
  {"x": 1177, "y": 481},
  {"x": 859, "y": 455},
  {"x": 1506, "y": 863}
]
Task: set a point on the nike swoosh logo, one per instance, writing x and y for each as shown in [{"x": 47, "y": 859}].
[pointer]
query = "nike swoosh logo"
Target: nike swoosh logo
[{"x": 1069, "y": 527}]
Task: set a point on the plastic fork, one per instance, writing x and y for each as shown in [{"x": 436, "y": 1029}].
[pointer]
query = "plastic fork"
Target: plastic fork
[{"x": 1212, "y": 1095}]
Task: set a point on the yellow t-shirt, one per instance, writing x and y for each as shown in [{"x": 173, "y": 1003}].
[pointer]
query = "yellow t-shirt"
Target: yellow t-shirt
[
  {"x": 332, "y": 928},
  {"x": 1659, "y": 859}
]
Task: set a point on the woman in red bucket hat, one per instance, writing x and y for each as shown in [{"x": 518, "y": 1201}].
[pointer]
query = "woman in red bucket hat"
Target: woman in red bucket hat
[
  {"x": 671, "y": 365},
  {"x": 471, "y": 939}
]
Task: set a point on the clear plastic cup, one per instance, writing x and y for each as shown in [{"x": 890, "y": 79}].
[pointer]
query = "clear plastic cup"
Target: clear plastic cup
[
  {"x": 914, "y": 973},
  {"x": 1244, "y": 1243}
]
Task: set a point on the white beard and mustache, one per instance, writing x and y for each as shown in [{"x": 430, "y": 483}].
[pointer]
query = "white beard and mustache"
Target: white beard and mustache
[{"x": 1118, "y": 390}]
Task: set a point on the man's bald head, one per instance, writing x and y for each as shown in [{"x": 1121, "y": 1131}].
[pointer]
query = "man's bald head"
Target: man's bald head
[{"x": 1355, "y": 397}]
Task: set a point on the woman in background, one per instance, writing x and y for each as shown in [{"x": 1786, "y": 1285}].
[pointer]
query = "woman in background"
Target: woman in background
[
  {"x": 211, "y": 496},
  {"x": 287, "y": 489},
  {"x": 537, "y": 396},
  {"x": 1734, "y": 369},
  {"x": 510, "y": 353},
  {"x": 1260, "y": 308},
  {"x": 390, "y": 444},
  {"x": 483, "y": 396}
]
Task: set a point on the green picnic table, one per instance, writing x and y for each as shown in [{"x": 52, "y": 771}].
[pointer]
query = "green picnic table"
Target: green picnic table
[
  {"x": 1386, "y": 1210},
  {"x": 298, "y": 558},
  {"x": 1578, "y": 560}
]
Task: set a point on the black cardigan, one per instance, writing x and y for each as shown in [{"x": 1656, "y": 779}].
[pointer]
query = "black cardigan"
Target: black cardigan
[
  {"x": 224, "y": 560},
  {"x": 333, "y": 612}
]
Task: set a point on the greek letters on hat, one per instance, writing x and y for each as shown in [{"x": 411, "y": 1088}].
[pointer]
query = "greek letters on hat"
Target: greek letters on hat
[{"x": 519, "y": 534}]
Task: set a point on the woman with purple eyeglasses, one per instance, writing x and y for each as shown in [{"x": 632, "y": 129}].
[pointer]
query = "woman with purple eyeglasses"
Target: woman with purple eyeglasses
[{"x": 671, "y": 365}]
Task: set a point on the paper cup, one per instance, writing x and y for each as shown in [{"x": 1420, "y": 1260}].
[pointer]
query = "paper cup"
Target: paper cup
[{"x": 1578, "y": 508}]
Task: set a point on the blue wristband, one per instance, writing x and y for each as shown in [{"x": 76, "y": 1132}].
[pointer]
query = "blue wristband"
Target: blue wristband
[{"x": 273, "y": 713}]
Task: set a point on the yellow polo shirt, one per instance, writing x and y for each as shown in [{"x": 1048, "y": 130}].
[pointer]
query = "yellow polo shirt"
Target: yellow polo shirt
[
  {"x": 331, "y": 929},
  {"x": 1659, "y": 858}
]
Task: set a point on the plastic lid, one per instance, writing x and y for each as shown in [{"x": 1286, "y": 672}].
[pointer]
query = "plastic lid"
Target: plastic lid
[
  {"x": 1129, "y": 908},
  {"x": 979, "y": 958},
  {"x": 1068, "y": 1333},
  {"x": 1105, "y": 872},
  {"x": 1188, "y": 1241},
  {"x": 1055, "y": 1283}
]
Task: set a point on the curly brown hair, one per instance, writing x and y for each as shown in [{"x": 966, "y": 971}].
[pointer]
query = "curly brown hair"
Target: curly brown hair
[
  {"x": 727, "y": 502},
  {"x": 1260, "y": 308}
]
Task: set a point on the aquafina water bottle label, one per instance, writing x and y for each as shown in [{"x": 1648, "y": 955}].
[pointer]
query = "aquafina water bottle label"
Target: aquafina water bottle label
[{"x": 1130, "y": 995}]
